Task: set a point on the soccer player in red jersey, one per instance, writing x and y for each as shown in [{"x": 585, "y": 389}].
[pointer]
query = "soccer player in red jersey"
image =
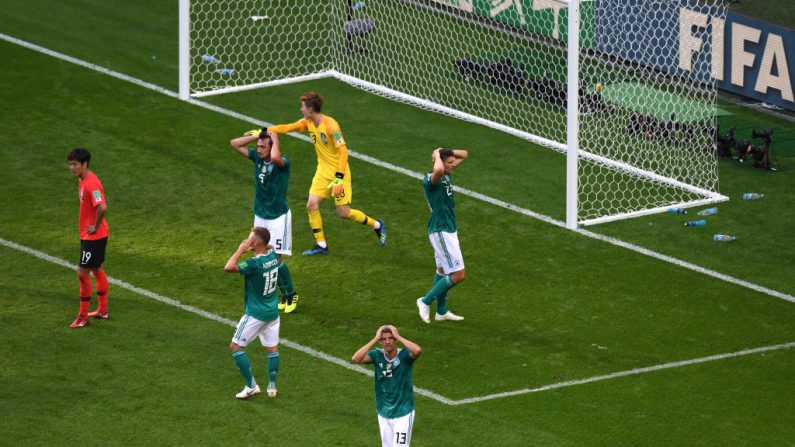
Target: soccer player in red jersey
[{"x": 93, "y": 230}]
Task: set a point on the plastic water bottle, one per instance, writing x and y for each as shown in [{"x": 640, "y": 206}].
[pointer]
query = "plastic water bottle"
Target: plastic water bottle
[
  {"x": 677, "y": 210},
  {"x": 723, "y": 238},
  {"x": 696, "y": 223},
  {"x": 225, "y": 71},
  {"x": 752, "y": 196},
  {"x": 210, "y": 59},
  {"x": 708, "y": 212},
  {"x": 358, "y": 5}
]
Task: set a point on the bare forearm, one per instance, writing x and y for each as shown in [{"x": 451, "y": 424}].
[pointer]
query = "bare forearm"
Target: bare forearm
[
  {"x": 231, "y": 264},
  {"x": 361, "y": 355},
  {"x": 241, "y": 144},
  {"x": 413, "y": 348},
  {"x": 100, "y": 215}
]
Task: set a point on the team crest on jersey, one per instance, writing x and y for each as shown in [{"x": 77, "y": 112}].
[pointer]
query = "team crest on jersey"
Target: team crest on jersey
[
  {"x": 338, "y": 138},
  {"x": 323, "y": 137}
]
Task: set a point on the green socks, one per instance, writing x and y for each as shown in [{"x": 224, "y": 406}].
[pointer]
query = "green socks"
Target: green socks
[
  {"x": 273, "y": 366},
  {"x": 241, "y": 360},
  {"x": 285, "y": 281},
  {"x": 441, "y": 301},
  {"x": 439, "y": 290}
]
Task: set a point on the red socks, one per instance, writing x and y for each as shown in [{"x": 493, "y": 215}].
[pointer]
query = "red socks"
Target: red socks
[
  {"x": 102, "y": 291},
  {"x": 85, "y": 291}
]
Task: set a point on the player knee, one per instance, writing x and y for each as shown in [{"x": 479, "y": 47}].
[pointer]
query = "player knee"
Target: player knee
[
  {"x": 234, "y": 347},
  {"x": 458, "y": 276},
  {"x": 343, "y": 211}
]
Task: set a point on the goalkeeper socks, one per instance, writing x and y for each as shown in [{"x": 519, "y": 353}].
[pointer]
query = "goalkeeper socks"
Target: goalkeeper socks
[
  {"x": 285, "y": 281},
  {"x": 273, "y": 366},
  {"x": 241, "y": 360},
  {"x": 439, "y": 289},
  {"x": 102, "y": 291},
  {"x": 316, "y": 223},
  {"x": 441, "y": 301},
  {"x": 359, "y": 217}
]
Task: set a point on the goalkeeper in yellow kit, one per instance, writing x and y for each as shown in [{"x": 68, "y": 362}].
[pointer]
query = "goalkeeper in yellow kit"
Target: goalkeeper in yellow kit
[{"x": 332, "y": 176}]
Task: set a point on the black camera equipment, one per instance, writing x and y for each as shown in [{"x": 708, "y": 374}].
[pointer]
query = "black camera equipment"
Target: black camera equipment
[
  {"x": 725, "y": 142},
  {"x": 762, "y": 154}
]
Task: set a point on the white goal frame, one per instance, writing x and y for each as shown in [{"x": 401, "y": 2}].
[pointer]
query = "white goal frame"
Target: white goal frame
[{"x": 571, "y": 148}]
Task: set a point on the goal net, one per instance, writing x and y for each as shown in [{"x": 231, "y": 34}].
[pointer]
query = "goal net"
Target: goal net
[{"x": 646, "y": 100}]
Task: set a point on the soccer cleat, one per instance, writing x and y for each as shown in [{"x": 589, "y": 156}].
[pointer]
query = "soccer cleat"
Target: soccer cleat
[
  {"x": 248, "y": 392},
  {"x": 101, "y": 316},
  {"x": 271, "y": 390},
  {"x": 282, "y": 304},
  {"x": 316, "y": 250},
  {"x": 291, "y": 304},
  {"x": 80, "y": 321},
  {"x": 449, "y": 316},
  {"x": 380, "y": 233},
  {"x": 425, "y": 310}
]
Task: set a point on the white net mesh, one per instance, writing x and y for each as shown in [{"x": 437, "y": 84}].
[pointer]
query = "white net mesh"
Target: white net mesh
[
  {"x": 236, "y": 43},
  {"x": 502, "y": 63}
]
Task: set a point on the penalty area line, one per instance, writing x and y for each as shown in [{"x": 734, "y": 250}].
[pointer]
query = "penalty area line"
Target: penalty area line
[
  {"x": 391, "y": 167},
  {"x": 630, "y": 372},
  {"x": 421, "y": 391}
]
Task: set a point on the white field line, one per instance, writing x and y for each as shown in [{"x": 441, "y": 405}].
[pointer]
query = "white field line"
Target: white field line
[
  {"x": 415, "y": 175},
  {"x": 345, "y": 364},
  {"x": 630, "y": 372},
  {"x": 211, "y": 316}
]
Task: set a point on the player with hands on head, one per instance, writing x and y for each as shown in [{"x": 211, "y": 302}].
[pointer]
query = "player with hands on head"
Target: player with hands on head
[
  {"x": 443, "y": 234},
  {"x": 394, "y": 388},
  {"x": 271, "y": 210},
  {"x": 261, "y": 316},
  {"x": 333, "y": 175}
]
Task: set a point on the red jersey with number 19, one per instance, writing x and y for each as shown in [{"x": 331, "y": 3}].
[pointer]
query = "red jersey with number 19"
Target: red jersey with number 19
[{"x": 91, "y": 195}]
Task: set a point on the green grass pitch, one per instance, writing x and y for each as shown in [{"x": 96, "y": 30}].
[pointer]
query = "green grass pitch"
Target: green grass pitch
[{"x": 543, "y": 305}]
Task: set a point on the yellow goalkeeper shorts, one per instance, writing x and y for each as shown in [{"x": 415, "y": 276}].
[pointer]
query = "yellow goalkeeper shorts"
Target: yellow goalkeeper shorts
[{"x": 320, "y": 188}]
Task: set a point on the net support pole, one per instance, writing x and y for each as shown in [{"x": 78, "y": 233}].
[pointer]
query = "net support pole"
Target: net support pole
[
  {"x": 184, "y": 49},
  {"x": 572, "y": 114}
]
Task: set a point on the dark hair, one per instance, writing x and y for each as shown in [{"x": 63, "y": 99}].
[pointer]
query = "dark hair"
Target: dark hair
[
  {"x": 80, "y": 155},
  {"x": 386, "y": 330},
  {"x": 445, "y": 154},
  {"x": 313, "y": 101},
  {"x": 266, "y": 137},
  {"x": 262, "y": 233}
]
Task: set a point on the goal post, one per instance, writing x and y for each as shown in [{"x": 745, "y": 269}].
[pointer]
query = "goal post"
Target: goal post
[{"x": 622, "y": 88}]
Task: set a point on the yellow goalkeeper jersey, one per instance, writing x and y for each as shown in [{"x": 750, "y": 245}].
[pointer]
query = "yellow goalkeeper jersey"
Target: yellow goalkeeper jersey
[{"x": 329, "y": 144}]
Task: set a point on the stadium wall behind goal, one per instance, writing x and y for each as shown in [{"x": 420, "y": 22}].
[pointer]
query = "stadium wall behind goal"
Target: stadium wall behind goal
[
  {"x": 746, "y": 56},
  {"x": 749, "y": 57}
]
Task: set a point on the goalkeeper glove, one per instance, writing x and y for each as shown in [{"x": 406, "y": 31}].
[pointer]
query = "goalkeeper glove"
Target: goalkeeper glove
[
  {"x": 336, "y": 186},
  {"x": 256, "y": 132}
]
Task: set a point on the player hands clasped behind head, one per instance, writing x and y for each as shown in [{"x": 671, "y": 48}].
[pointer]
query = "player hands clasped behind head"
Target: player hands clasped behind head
[
  {"x": 261, "y": 316},
  {"x": 93, "y": 230},
  {"x": 271, "y": 210},
  {"x": 332, "y": 176},
  {"x": 394, "y": 388},
  {"x": 443, "y": 233}
]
